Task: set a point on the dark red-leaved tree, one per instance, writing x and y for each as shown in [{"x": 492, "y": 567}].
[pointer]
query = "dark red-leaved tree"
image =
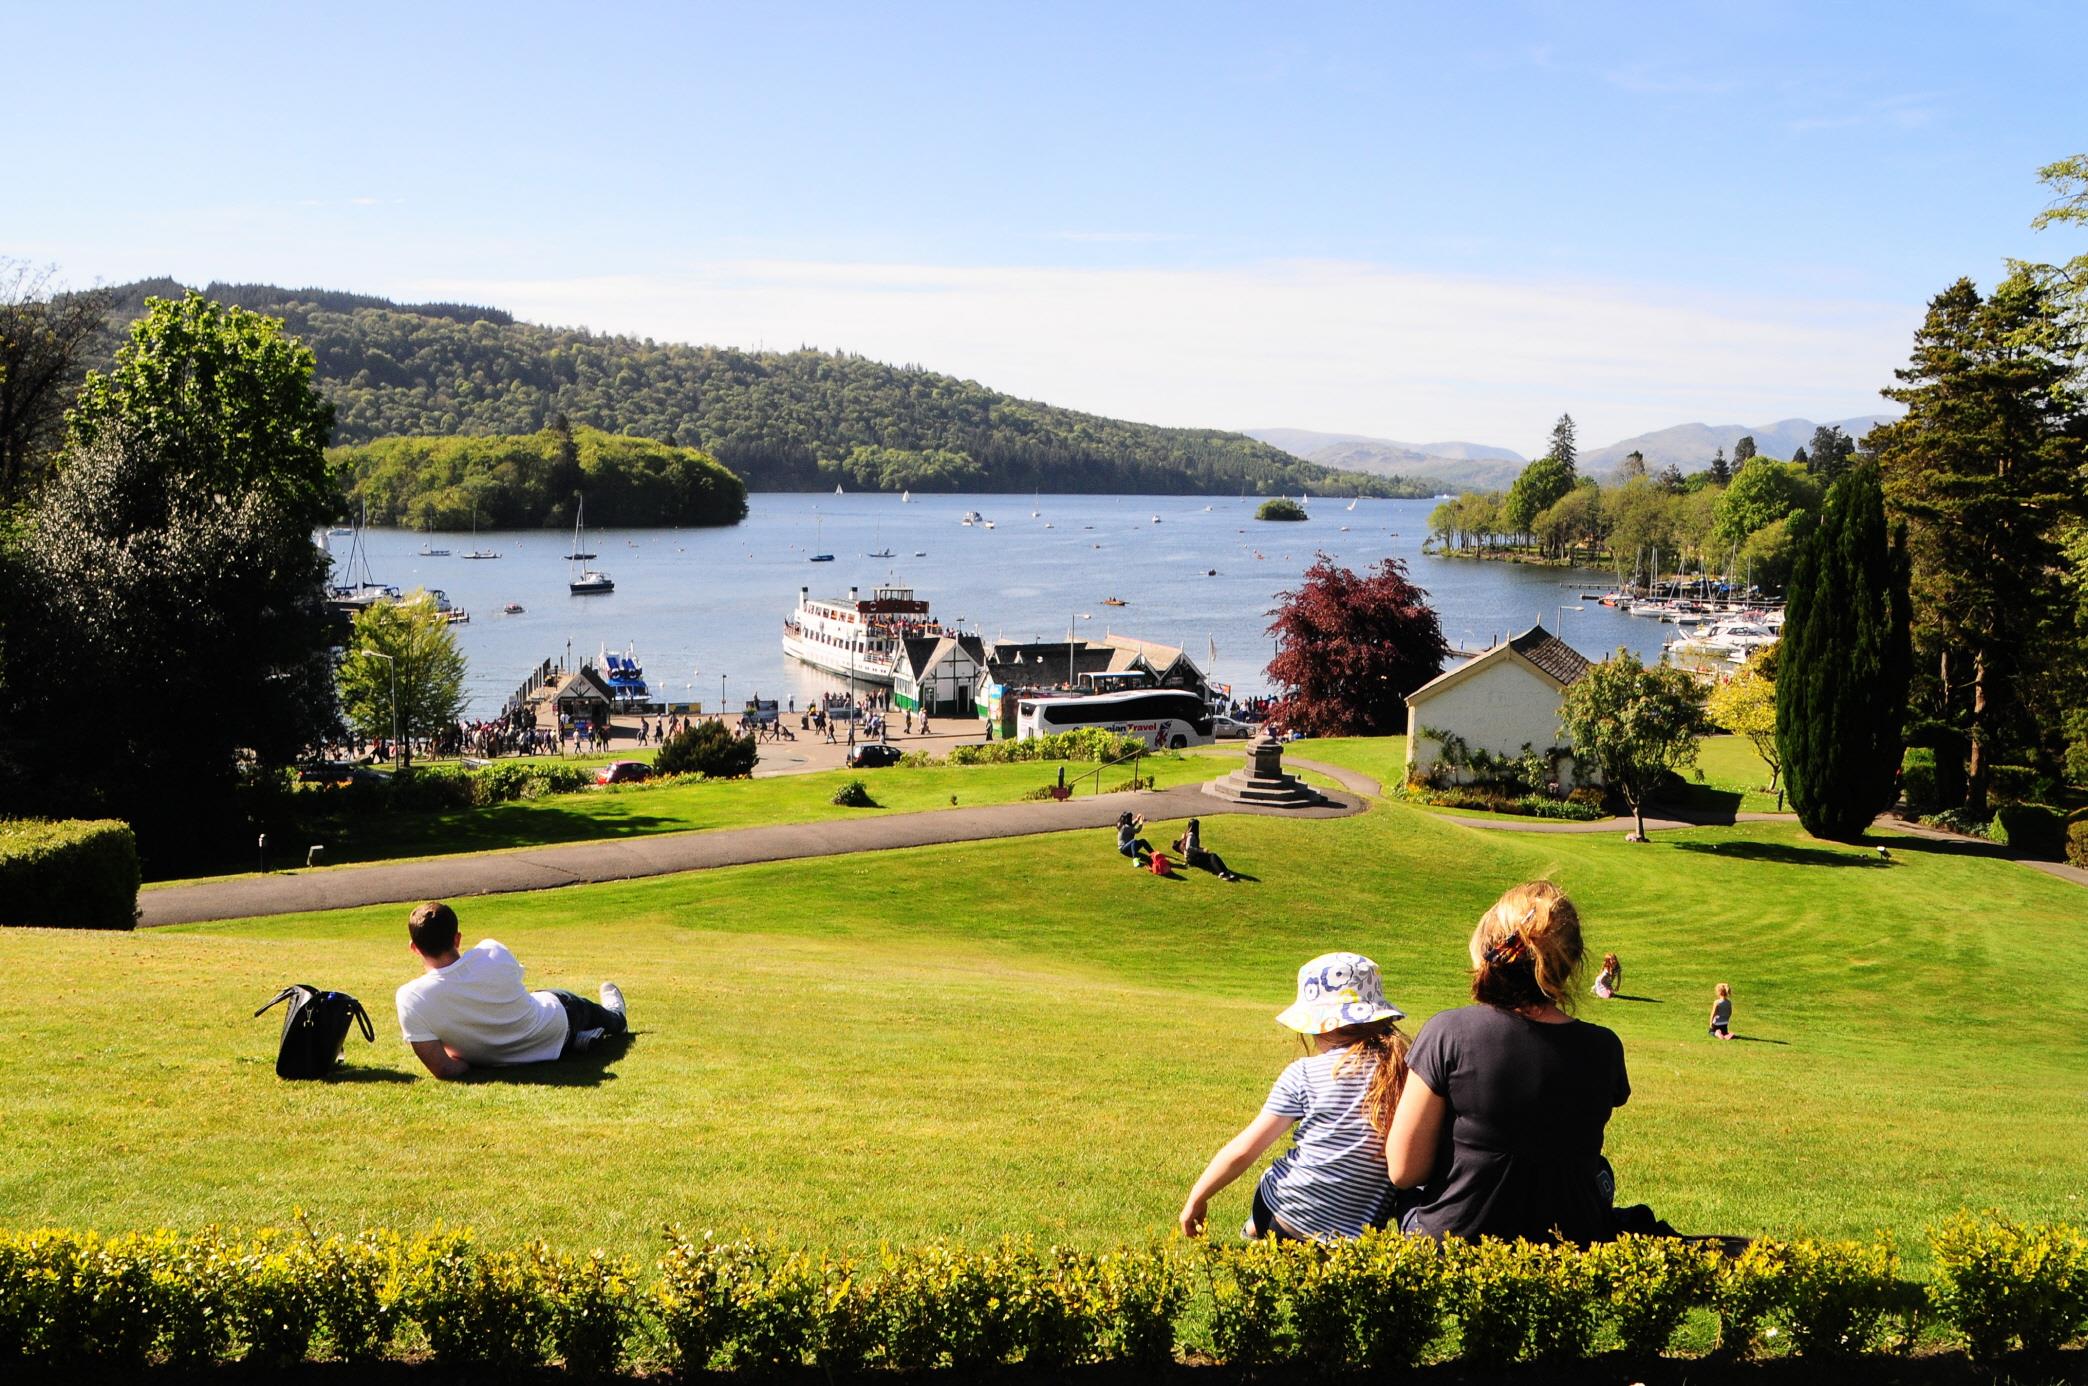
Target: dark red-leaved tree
[{"x": 1350, "y": 647}]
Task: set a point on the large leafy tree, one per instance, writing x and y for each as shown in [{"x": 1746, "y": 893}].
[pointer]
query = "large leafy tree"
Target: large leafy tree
[
  {"x": 1542, "y": 485},
  {"x": 1985, "y": 467},
  {"x": 1843, "y": 663},
  {"x": 1633, "y": 725},
  {"x": 169, "y": 563},
  {"x": 1829, "y": 455},
  {"x": 1351, "y": 647},
  {"x": 1764, "y": 490},
  {"x": 402, "y": 673}
]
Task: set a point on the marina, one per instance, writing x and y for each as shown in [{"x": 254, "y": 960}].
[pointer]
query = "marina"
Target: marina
[{"x": 701, "y": 603}]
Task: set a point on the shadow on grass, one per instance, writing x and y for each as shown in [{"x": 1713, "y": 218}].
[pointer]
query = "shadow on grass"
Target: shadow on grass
[
  {"x": 368, "y": 1075},
  {"x": 1757, "y": 1039},
  {"x": 483, "y": 830},
  {"x": 1641, "y": 1000},
  {"x": 1702, "y": 804},
  {"x": 1782, "y": 853},
  {"x": 588, "y": 1070}
]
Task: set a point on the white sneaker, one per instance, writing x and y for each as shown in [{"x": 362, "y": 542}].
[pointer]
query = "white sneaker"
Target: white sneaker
[{"x": 612, "y": 997}]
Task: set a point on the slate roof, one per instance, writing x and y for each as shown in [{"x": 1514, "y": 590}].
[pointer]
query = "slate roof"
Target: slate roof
[{"x": 1551, "y": 654}]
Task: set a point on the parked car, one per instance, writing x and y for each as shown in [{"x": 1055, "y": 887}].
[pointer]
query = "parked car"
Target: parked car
[
  {"x": 873, "y": 755},
  {"x": 623, "y": 772},
  {"x": 1226, "y": 728}
]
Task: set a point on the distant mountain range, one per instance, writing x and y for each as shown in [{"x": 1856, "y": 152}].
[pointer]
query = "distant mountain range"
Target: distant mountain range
[
  {"x": 1455, "y": 465},
  {"x": 1483, "y": 467},
  {"x": 1690, "y": 446}
]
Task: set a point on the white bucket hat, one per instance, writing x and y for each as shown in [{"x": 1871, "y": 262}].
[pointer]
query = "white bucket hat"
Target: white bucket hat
[{"x": 1337, "y": 989}]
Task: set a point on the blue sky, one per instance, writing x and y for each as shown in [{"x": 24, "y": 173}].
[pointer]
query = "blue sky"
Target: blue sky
[{"x": 1422, "y": 221}]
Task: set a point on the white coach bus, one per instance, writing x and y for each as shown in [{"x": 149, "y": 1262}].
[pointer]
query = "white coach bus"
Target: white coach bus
[{"x": 1167, "y": 718}]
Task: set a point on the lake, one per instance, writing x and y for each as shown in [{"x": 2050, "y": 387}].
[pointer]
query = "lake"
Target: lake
[{"x": 701, "y": 605}]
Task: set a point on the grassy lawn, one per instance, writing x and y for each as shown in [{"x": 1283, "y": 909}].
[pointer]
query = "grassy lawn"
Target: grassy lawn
[
  {"x": 1028, "y": 1037},
  {"x": 636, "y": 810}
]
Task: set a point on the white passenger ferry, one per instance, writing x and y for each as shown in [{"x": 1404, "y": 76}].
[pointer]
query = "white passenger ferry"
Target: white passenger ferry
[{"x": 859, "y": 637}]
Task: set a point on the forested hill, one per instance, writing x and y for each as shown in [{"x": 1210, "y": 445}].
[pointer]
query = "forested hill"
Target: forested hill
[{"x": 799, "y": 420}]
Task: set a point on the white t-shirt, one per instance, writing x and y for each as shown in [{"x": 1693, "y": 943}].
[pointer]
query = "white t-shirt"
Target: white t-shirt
[{"x": 478, "y": 1007}]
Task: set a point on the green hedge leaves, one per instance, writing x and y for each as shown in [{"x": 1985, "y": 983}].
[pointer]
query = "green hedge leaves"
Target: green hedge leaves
[
  {"x": 68, "y": 873},
  {"x": 280, "y": 1296}
]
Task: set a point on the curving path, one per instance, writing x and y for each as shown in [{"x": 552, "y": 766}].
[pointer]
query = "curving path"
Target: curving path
[{"x": 622, "y": 859}]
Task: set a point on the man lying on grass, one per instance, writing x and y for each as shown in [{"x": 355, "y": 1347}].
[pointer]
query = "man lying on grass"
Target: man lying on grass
[{"x": 469, "y": 1009}]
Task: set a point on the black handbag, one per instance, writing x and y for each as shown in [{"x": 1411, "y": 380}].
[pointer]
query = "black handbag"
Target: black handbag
[{"x": 315, "y": 1030}]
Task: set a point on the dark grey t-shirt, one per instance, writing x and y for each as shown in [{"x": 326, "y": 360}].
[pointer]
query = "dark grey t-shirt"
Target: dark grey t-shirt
[{"x": 1521, "y": 1152}]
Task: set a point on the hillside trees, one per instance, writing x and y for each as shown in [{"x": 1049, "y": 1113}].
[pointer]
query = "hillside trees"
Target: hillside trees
[
  {"x": 1843, "y": 663},
  {"x": 1829, "y": 455},
  {"x": 1351, "y": 647},
  {"x": 1563, "y": 448},
  {"x": 169, "y": 563},
  {"x": 779, "y": 420},
  {"x": 1985, "y": 467},
  {"x": 1542, "y": 485},
  {"x": 537, "y": 479}
]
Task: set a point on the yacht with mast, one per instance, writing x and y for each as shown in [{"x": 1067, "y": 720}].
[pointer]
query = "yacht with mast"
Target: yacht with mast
[{"x": 585, "y": 582}]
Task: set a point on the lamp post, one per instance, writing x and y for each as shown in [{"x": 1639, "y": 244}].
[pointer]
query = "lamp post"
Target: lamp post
[
  {"x": 394, "y": 663},
  {"x": 721, "y": 698}
]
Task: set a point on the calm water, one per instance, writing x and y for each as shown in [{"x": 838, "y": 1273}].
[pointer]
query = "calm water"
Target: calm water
[{"x": 701, "y": 604}]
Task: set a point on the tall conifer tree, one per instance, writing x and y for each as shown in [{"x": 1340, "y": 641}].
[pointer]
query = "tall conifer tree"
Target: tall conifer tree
[{"x": 1841, "y": 687}]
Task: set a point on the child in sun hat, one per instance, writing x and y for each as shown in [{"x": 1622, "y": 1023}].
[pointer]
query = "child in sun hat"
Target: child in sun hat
[{"x": 1340, "y": 1096}]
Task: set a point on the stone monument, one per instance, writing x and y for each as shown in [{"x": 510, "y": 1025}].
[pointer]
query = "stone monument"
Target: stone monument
[{"x": 1264, "y": 782}]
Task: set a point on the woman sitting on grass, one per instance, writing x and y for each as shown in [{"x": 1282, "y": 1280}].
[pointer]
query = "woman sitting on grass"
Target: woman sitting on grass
[
  {"x": 1499, "y": 1131},
  {"x": 1340, "y": 1097}
]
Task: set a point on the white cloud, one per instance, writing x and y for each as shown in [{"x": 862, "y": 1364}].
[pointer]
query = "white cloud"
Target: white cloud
[{"x": 1340, "y": 346}]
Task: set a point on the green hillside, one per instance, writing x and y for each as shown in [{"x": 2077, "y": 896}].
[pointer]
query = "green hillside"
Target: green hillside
[
  {"x": 798, "y": 420},
  {"x": 508, "y": 481}
]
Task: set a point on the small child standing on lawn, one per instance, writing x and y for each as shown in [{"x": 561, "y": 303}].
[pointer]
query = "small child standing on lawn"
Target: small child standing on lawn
[
  {"x": 1722, "y": 1013},
  {"x": 1340, "y": 1096}
]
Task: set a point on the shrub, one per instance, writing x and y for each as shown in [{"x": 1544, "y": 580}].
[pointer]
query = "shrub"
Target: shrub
[
  {"x": 68, "y": 873},
  {"x": 1375, "y": 1302},
  {"x": 2077, "y": 843},
  {"x": 1836, "y": 1295},
  {"x": 591, "y": 1308},
  {"x": 476, "y": 1306},
  {"x": 2011, "y": 783},
  {"x": 2003, "y": 1284},
  {"x": 1517, "y": 1300},
  {"x": 944, "y": 1304},
  {"x": 278, "y": 1299},
  {"x": 698, "y": 1294},
  {"x": 854, "y": 794},
  {"x": 1250, "y": 1302},
  {"x": 2034, "y": 830},
  {"x": 1957, "y": 820},
  {"x": 1082, "y": 743},
  {"x": 1140, "y": 1295},
  {"x": 361, "y": 1293},
  {"x": 1281, "y": 509},
  {"x": 1750, "y": 1289},
  {"x": 1918, "y": 776},
  {"x": 709, "y": 749},
  {"x": 1650, "y": 1285}
]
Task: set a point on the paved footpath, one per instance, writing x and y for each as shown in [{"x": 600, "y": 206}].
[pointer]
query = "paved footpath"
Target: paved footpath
[{"x": 622, "y": 859}]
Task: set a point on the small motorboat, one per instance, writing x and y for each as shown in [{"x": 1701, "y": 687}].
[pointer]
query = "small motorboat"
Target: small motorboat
[
  {"x": 1114, "y": 601},
  {"x": 427, "y": 552},
  {"x": 511, "y": 609},
  {"x": 822, "y": 558},
  {"x": 879, "y": 553}
]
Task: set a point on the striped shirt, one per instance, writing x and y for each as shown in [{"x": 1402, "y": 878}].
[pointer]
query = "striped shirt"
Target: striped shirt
[{"x": 1332, "y": 1180}]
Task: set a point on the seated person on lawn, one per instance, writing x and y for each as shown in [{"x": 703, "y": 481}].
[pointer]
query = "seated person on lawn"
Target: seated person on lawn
[{"x": 470, "y": 1009}]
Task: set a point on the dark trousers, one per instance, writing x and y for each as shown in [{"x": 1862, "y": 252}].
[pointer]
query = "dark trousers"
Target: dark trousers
[{"x": 583, "y": 1014}]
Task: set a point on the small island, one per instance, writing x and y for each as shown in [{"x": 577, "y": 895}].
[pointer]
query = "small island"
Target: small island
[{"x": 1281, "y": 508}]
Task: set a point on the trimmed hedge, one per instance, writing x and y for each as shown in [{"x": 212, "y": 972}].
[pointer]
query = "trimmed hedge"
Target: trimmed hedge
[
  {"x": 68, "y": 873},
  {"x": 281, "y": 1296},
  {"x": 1084, "y": 743},
  {"x": 2034, "y": 830}
]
